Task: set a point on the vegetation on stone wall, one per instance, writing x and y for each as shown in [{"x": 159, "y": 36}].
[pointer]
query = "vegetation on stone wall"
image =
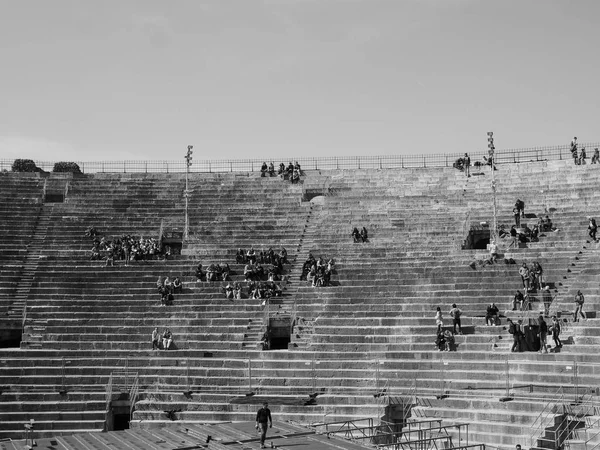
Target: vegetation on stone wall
[
  {"x": 25, "y": 165},
  {"x": 66, "y": 167}
]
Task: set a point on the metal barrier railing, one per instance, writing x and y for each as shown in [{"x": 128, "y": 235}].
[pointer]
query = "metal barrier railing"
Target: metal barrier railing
[{"x": 508, "y": 156}]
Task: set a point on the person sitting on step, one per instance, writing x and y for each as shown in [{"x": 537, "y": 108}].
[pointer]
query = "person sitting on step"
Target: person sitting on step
[
  {"x": 237, "y": 291},
  {"x": 440, "y": 341},
  {"x": 225, "y": 271},
  {"x": 240, "y": 256},
  {"x": 251, "y": 256},
  {"x": 283, "y": 256},
  {"x": 295, "y": 176},
  {"x": 355, "y": 235},
  {"x": 198, "y": 272},
  {"x": 491, "y": 315},
  {"x": 168, "y": 284},
  {"x": 211, "y": 273},
  {"x": 263, "y": 169},
  {"x": 229, "y": 291},
  {"x": 449, "y": 341},
  {"x": 249, "y": 272},
  {"x": 518, "y": 299},
  {"x": 167, "y": 339},
  {"x": 271, "y": 169}
]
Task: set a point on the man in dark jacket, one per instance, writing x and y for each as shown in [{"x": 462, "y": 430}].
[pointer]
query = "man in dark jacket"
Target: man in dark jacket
[{"x": 263, "y": 417}]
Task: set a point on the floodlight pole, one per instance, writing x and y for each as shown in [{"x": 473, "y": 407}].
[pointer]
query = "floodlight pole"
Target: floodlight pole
[
  {"x": 492, "y": 155},
  {"x": 186, "y": 193}
]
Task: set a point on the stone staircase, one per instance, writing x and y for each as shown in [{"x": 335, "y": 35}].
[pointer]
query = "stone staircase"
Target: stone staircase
[
  {"x": 373, "y": 327},
  {"x": 30, "y": 264}
]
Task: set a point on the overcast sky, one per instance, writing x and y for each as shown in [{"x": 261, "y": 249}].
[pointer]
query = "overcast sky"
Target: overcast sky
[{"x": 116, "y": 79}]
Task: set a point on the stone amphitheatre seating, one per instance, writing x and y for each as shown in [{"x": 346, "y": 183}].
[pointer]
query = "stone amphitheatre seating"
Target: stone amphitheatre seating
[{"x": 361, "y": 343}]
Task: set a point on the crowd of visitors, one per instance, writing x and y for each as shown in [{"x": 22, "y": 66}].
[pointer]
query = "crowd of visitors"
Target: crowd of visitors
[
  {"x": 292, "y": 172},
  {"x": 167, "y": 288},
  {"x": 316, "y": 271},
  {"x": 126, "y": 248},
  {"x": 263, "y": 256}
]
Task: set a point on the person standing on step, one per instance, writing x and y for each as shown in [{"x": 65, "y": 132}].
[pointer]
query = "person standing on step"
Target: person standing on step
[
  {"x": 364, "y": 235},
  {"x": 579, "y": 300},
  {"x": 155, "y": 339},
  {"x": 574, "y": 149},
  {"x": 263, "y": 417},
  {"x": 493, "y": 252},
  {"x": 439, "y": 321},
  {"x": 455, "y": 313},
  {"x": 524, "y": 272},
  {"x": 592, "y": 228},
  {"x": 582, "y": 156},
  {"x": 547, "y": 299},
  {"x": 467, "y": 165},
  {"x": 517, "y": 215},
  {"x": 556, "y": 332},
  {"x": 543, "y": 332}
]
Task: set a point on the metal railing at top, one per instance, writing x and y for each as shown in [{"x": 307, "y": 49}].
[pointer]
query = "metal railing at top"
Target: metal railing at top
[{"x": 508, "y": 156}]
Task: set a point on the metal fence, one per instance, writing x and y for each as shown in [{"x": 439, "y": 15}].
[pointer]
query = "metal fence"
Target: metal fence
[{"x": 321, "y": 163}]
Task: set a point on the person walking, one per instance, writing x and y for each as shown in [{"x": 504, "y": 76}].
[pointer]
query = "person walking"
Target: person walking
[
  {"x": 263, "y": 417},
  {"x": 579, "y": 300},
  {"x": 556, "y": 332},
  {"x": 515, "y": 330}
]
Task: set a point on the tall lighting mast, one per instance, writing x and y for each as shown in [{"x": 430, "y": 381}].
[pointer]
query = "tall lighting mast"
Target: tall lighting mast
[
  {"x": 186, "y": 193},
  {"x": 492, "y": 158}
]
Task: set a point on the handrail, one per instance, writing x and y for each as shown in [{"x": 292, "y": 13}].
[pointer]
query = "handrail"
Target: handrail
[
  {"x": 540, "y": 422},
  {"x": 133, "y": 394},
  {"x": 506, "y": 156},
  {"x": 109, "y": 391}
]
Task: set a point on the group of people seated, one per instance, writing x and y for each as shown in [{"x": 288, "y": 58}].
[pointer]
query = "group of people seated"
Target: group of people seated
[
  {"x": 262, "y": 290},
  {"x": 292, "y": 171},
  {"x": 233, "y": 291},
  {"x": 316, "y": 271},
  {"x": 214, "y": 272},
  {"x": 166, "y": 288},
  {"x": 444, "y": 340},
  {"x": 359, "y": 236},
  {"x": 125, "y": 248},
  {"x": 264, "y": 256},
  {"x": 166, "y": 337},
  {"x": 257, "y": 272}
]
